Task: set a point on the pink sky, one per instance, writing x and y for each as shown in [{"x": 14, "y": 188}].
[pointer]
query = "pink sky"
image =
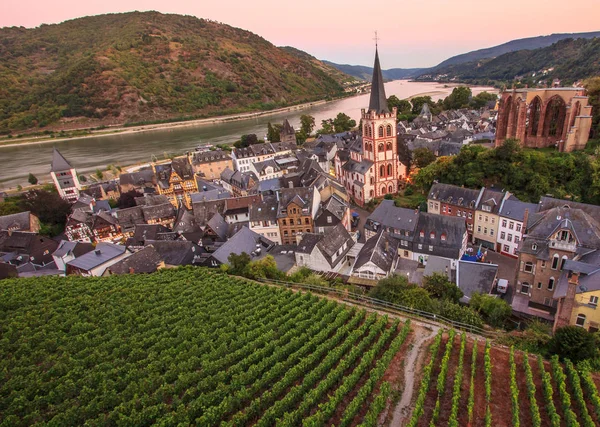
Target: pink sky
[{"x": 413, "y": 33}]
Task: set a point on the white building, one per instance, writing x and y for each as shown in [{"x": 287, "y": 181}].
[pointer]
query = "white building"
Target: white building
[
  {"x": 513, "y": 217},
  {"x": 64, "y": 177}
]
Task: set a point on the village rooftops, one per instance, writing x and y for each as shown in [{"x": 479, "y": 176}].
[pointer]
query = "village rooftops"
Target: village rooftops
[
  {"x": 245, "y": 240},
  {"x": 16, "y": 222},
  {"x": 443, "y": 234},
  {"x": 380, "y": 249},
  {"x": 59, "y": 163},
  {"x": 145, "y": 260},
  {"x": 303, "y": 197},
  {"x": 103, "y": 253},
  {"x": 475, "y": 277},
  {"x": 210, "y": 156},
  {"x": 514, "y": 209},
  {"x": 454, "y": 195},
  {"x": 394, "y": 219}
]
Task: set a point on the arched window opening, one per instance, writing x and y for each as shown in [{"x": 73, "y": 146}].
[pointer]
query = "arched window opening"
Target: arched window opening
[
  {"x": 562, "y": 262},
  {"x": 381, "y": 171},
  {"x": 551, "y": 284},
  {"x": 388, "y": 146},
  {"x": 390, "y": 189},
  {"x": 389, "y": 170},
  {"x": 555, "y": 262},
  {"x": 380, "y": 148},
  {"x": 389, "y": 130},
  {"x": 380, "y": 132}
]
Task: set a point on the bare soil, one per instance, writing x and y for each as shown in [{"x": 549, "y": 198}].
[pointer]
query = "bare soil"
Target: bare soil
[
  {"x": 463, "y": 416},
  {"x": 500, "y": 403},
  {"x": 432, "y": 394},
  {"x": 446, "y": 398},
  {"x": 539, "y": 393},
  {"x": 480, "y": 403},
  {"x": 525, "y": 405}
]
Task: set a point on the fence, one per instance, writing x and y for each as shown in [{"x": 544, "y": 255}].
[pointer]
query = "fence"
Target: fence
[{"x": 384, "y": 305}]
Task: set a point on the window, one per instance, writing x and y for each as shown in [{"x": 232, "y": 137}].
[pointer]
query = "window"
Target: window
[
  {"x": 381, "y": 170},
  {"x": 329, "y": 220},
  {"x": 534, "y": 247},
  {"x": 594, "y": 300},
  {"x": 517, "y": 240},
  {"x": 486, "y": 218},
  {"x": 525, "y": 288},
  {"x": 380, "y": 132},
  {"x": 539, "y": 285},
  {"x": 528, "y": 267},
  {"x": 555, "y": 262},
  {"x": 389, "y": 170},
  {"x": 443, "y": 237},
  {"x": 390, "y": 189},
  {"x": 285, "y": 232},
  {"x": 479, "y": 228},
  {"x": 562, "y": 262},
  {"x": 450, "y": 210},
  {"x": 509, "y": 237},
  {"x": 430, "y": 248},
  {"x": 580, "y": 320},
  {"x": 511, "y": 225},
  {"x": 470, "y": 215},
  {"x": 506, "y": 248},
  {"x": 432, "y": 235},
  {"x": 380, "y": 148},
  {"x": 284, "y": 222},
  {"x": 389, "y": 130},
  {"x": 484, "y": 230},
  {"x": 519, "y": 227},
  {"x": 420, "y": 246},
  {"x": 444, "y": 209},
  {"x": 430, "y": 204},
  {"x": 491, "y": 231},
  {"x": 551, "y": 284},
  {"x": 480, "y": 217},
  {"x": 306, "y": 221},
  {"x": 504, "y": 223},
  {"x": 388, "y": 146},
  {"x": 421, "y": 233},
  {"x": 502, "y": 235}
]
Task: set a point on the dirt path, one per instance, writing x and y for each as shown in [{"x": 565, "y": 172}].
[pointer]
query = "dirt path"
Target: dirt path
[{"x": 404, "y": 407}]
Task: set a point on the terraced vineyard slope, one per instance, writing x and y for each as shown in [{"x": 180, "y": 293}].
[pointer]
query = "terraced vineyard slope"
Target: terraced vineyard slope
[{"x": 189, "y": 346}]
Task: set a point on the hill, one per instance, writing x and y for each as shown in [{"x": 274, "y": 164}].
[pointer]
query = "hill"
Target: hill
[
  {"x": 568, "y": 60},
  {"x": 365, "y": 73},
  {"x": 513, "y": 46},
  {"x": 146, "y": 66}
]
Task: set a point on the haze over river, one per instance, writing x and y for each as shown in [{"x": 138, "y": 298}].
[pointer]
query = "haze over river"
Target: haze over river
[{"x": 89, "y": 154}]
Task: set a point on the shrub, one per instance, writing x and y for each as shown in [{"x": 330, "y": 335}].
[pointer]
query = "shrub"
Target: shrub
[
  {"x": 494, "y": 310},
  {"x": 573, "y": 343}
]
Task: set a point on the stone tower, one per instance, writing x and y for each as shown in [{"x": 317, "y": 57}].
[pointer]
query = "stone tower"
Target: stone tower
[
  {"x": 379, "y": 137},
  {"x": 64, "y": 177}
]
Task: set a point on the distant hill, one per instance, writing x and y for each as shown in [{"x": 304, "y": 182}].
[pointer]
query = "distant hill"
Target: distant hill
[
  {"x": 568, "y": 60},
  {"x": 512, "y": 46},
  {"x": 147, "y": 66},
  {"x": 365, "y": 73}
]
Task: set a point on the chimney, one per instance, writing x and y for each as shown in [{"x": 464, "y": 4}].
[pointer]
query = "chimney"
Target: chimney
[
  {"x": 525, "y": 219},
  {"x": 97, "y": 252},
  {"x": 131, "y": 270},
  {"x": 387, "y": 245}
]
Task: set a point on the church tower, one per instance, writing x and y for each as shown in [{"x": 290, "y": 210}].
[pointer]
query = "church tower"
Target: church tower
[
  {"x": 64, "y": 177},
  {"x": 379, "y": 139}
]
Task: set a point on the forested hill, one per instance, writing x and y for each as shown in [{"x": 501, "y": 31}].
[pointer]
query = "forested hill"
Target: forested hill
[
  {"x": 146, "y": 66},
  {"x": 569, "y": 60},
  {"x": 513, "y": 46}
]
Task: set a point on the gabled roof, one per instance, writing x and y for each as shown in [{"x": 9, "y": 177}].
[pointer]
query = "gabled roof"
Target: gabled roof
[
  {"x": 475, "y": 277},
  {"x": 103, "y": 253},
  {"x": 513, "y": 208},
  {"x": 166, "y": 210},
  {"x": 59, "y": 163},
  {"x": 453, "y": 230},
  {"x": 245, "y": 240},
  {"x": 393, "y": 218},
  {"x": 203, "y": 211},
  {"x": 76, "y": 248},
  {"x": 176, "y": 252},
  {"x": 380, "y": 249},
  {"x": 16, "y": 222},
  {"x": 378, "y": 100},
  {"x": 454, "y": 195},
  {"x": 333, "y": 241},
  {"x": 183, "y": 168},
  {"x": 265, "y": 210},
  {"x": 218, "y": 225},
  {"x": 544, "y": 224},
  {"x": 145, "y": 260}
]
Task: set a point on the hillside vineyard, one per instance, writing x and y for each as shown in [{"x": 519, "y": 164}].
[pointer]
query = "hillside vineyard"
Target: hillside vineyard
[{"x": 188, "y": 346}]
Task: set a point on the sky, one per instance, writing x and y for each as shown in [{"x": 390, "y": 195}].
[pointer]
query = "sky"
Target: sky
[{"x": 412, "y": 33}]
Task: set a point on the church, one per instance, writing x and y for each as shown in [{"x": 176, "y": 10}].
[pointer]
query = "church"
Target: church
[{"x": 369, "y": 167}]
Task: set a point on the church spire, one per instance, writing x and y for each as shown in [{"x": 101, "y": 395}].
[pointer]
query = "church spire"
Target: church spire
[{"x": 378, "y": 101}]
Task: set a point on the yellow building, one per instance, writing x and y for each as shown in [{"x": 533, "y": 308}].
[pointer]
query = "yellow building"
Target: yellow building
[
  {"x": 585, "y": 310},
  {"x": 578, "y": 294},
  {"x": 176, "y": 180},
  {"x": 209, "y": 164}
]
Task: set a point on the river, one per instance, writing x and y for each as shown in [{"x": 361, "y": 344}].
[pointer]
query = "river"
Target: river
[{"x": 89, "y": 154}]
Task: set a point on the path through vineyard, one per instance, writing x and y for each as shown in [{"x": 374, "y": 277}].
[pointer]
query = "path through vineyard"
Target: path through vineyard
[{"x": 403, "y": 408}]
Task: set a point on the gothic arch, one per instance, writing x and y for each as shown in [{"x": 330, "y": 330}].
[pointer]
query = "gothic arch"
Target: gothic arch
[
  {"x": 381, "y": 170},
  {"x": 390, "y": 189},
  {"x": 380, "y": 148},
  {"x": 503, "y": 125},
  {"x": 380, "y": 132},
  {"x": 554, "y": 119},
  {"x": 534, "y": 115},
  {"x": 388, "y": 146},
  {"x": 389, "y": 169},
  {"x": 383, "y": 189},
  {"x": 389, "y": 130}
]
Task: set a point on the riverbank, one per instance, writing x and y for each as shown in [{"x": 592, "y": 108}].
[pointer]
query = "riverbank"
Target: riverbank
[{"x": 123, "y": 130}]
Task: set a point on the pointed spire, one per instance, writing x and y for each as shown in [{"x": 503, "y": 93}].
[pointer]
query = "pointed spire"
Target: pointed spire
[
  {"x": 59, "y": 163},
  {"x": 378, "y": 101}
]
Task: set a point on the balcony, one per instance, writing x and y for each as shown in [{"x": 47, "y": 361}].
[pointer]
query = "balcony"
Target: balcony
[{"x": 562, "y": 245}]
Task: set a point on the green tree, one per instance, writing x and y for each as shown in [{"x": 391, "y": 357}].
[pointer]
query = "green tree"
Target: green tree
[
  {"x": 397, "y": 290},
  {"x": 316, "y": 280},
  {"x": 592, "y": 86},
  {"x": 573, "y": 343},
  {"x": 343, "y": 123},
  {"x": 459, "y": 98},
  {"x": 494, "y": 310},
  {"x": 481, "y": 99},
  {"x": 273, "y": 132},
  {"x": 265, "y": 268},
  {"x": 307, "y": 124},
  {"x": 49, "y": 207},
  {"x": 246, "y": 141},
  {"x": 440, "y": 287},
  {"x": 238, "y": 264},
  {"x": 402, "y": 105},
  {"x": 32, "y": 179},
  {"x": 326, "y": 127},
  {"x": 422, "y": 157},
  {"x": 418, "y": 101},
  {"x": 99, "y": 174}
]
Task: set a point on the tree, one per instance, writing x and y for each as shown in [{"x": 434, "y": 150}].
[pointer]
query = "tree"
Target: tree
[
  {"x": 495, "y": 310},
  {"x": 422, "y": 157},
  {"x": 402, "y": 105},
  {"x": 418, "y": 101},
  {"x": 440, "y": 287},
  {"x": 99, "y": 174},
  {"x": 573, "y": 343},
  {"x": 127, "y": 199},
  {"x": 49, "y": 207},
  {"x": 343, "y": 123},
  {"x": 592, "y": 86},
  {"x": 265, "y": 268},
  {"x": 238, "y": 264},
  {"x": 397, "y": 290},
  {"x": 481, "y": 99},
  {"x": 459, "y": 98},
  {"x": 316, "y": 280},
  {"x": 246, "y": 141},
  {"x": 307, "y": 124},
  {"x": 326, "y": 127},
  {"x": 273, "y": 132},
  {"x": 32, "y": 179}
]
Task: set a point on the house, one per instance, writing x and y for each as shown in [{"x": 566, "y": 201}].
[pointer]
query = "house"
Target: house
[
  {"x": 578, "y": 292},
  {"x": 23, "y": 247},
  {"x": 105, "y": 227},
  {"x": 552, "y": 237},
  {"x": 177, "y": 253},
  {"x": 141, "y": 181},
  {"x": 263, "y": 218},
  {"x": 513, "y": 215},
  {"x": 451, "y": 200},
  {"x": 331, "y": 213},
  {"x": 146, "y": 260},
  {"x": 78, "y": 227},
  {"x": 267, "y": 169},
  {"x": 22, "y": 221},
  {"x": 64, "y": 177},
  {"x": 287, "y": 134},
  {"x": 485, "y": 232},
  {"x": 96, "y": 262},
  {"x": 325, "y": 252},
  {"x": 217, "y": 227},
  {"x": 176, "y": 180},
  {"x": 437, "y": 235},
  {"x": 239, "y": 183},
  {"x": 237, "y": 208},
  {"x": 244, "y": 241},
  {"x": 211, "y": 163},
  {"x": 400, "y": 222},
  {"x": 475, "y": 277},
  {"x": 243, "y": 158},
  {"x": 297, "y": 210},
  {"x": 68, "y": 251},
  {"x": 376, "y": 260},
  {"x": 148, "y": 232},
  {"x": 157, "y": 210},
  {"x": 127, "y": 219}
]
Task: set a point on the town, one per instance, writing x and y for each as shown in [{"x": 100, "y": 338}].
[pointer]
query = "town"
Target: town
[{"x": 306, "y": 207}]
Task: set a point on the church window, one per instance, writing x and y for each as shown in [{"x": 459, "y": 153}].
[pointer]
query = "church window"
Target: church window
[
  {"x": 555, "y": 262},
  {"x": 380, "y": 132},
  {"x": 389, "y": 130},
  {"x": 372, "y": 180},
  {"x": 380, "y": 148},
  {"x": 381, "y": 170},
  {"x": 388, "y": 146},
  {"x": 371, "y": 192},
  {"x": 389, "y": 170},
  {"x": 383, "y": 190},
  {"x": 390, "y": 189}
]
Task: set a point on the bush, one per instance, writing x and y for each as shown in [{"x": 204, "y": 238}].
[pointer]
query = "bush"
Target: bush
[
  {"x": 573, "y": 343},
  {"x": 439, "y": 286},
  {"x": 494, "y": 310}
]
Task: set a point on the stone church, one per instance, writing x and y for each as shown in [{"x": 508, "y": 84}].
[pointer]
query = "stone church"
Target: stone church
[{"x": 369, "y": 167}]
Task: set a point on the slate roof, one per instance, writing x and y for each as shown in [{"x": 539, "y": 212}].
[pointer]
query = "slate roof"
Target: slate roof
[
  {"x": 333, "y": 241},
  {"x": 547, "y": 203},
  {"x": 151, "y": 200},
  {"x": 475, "y": 277},
  {"x": 380, "y": 249},
  {"x": 492, "y": 198},
  {"x": 138, "y": 178},
  {"x": 452, "y": 228},
  {"x": 393, "y": 218},
  {"x": 16, "y": 222},
  {"x": 129, "y": 217},
  {"x": 203, "y": 211},
  {"x": 155, "y": 212},
  {"x": 183, "y": 168},
  {"x": 543, "y": 224},
  {"x": 146, "y": 232},
  {"x": 185, "y": 222},
  {"x": 244, "y": 240},
  {"x": 31, "y": 245},
  {"x": 145, "y": 260},
  {"x": 514, "y": 209},
  {"x": 218, "y": 225},
  {"x": 377, "y": 100},
  {"x": 454, "y": 195},
  {"x": 303, "y": 197},
  {"x": 210, "y": 156},
  {"x": 176, "y": 252},
  {"x": 59, "y": 163},
  {"x": 103, "y": 253},
  {"x": 265, "y": 210},
  {"x": 76, "y": 248}
]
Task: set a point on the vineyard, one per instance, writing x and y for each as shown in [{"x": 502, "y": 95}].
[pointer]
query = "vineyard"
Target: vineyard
[
  {"x": 467, "y": 382},
  {"x": 190, "y": 346}
]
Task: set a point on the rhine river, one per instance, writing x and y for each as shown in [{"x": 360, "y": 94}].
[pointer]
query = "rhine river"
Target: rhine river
[{"x": 89, "y": 154}]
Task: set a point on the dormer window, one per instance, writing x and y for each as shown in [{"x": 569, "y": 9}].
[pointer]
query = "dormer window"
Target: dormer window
[
  {"x": 534, "y": 247},
  {"x": 443, "y": 237},
  {"x": 432, "y": 235},
  {"x": 421, "y": 233}
]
